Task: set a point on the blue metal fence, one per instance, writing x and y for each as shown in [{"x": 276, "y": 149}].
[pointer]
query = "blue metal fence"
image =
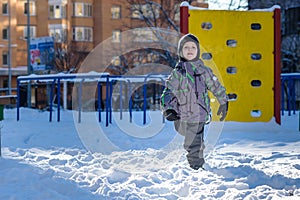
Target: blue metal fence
[
  {"x": 102, "y": 79},
  {"x": 289, "y": 92}
]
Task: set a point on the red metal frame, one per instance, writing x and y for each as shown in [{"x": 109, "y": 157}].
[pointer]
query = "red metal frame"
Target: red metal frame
[
  {"x": 184, "y": 19},
  {"x": 277, "y": 65}
]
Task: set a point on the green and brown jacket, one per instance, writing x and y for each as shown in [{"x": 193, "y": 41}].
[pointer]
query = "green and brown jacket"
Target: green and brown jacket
[{"x": 186, "y": 91}]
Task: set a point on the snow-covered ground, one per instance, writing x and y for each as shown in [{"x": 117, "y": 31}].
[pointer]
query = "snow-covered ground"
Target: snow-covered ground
[{"x": 53, "y": 160}]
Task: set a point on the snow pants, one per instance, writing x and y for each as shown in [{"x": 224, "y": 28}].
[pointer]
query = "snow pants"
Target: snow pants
[{"x": 193, "y": 141}]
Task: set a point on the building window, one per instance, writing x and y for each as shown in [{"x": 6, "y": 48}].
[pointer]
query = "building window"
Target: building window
[
  {"x": 292, "y": 21},
  {"x": 135, "y": 12},
  {"x": 57, "y": 11},
  {"x": 58, "y": 32},
  {"x": 139, "y": 11},
  {"x": 5, "y": 8},
  {"x": 32, "y": 32},
  {"x": 116, "y": 61},
  {"x": 82, "y": 10},
  {"x": 5, "y": 83},
  {"x": 5, "y": 34},
  {"x": 177, "y": 12},
  {"x": 5, "y": 58},
  {"x": 116, "y": 36},
  {"x": 31, "y": 8},
  {"x": 82, "y": 34},
  {"x": 116, "y": 12},
  {"x": 136, "y": 58},
  {"x": 144, "y": 35},
  {"x": 153, "y": 57}
]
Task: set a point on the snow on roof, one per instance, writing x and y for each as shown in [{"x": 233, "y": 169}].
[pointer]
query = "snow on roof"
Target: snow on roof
[
  {"x": 63, "y": 75},
  {"x": 271, "y": 9},
  {"x": 186, "y": 4},
  {"x": 290, "y": 75},
  {"x": 91, "y": 77}
]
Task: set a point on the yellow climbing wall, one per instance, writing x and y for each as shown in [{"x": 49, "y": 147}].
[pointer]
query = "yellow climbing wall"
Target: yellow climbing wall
[{"x": 239, "y": 46}]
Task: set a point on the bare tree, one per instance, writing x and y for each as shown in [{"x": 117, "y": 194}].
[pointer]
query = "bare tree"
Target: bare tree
[
  {"x": 155, "y": 13},
  {"x": 290, "y": 53},
  {"x": 68, "y": 57},
  {"x": 162, "y": 18}
]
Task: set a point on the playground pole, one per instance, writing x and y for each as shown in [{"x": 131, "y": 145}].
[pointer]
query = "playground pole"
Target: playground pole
[{"x": 0, "y": 140}]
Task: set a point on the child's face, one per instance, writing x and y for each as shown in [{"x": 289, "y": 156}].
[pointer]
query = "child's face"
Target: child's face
[{"x": 189, "y": 50}]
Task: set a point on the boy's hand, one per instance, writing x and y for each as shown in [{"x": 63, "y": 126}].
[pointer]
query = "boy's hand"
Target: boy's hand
[
  {"x": 171, "y": 115},
  {"x": 223, "y": 111}
]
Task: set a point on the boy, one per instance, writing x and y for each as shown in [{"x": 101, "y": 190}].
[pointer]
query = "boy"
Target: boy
[{"x": 185, "y": 99}]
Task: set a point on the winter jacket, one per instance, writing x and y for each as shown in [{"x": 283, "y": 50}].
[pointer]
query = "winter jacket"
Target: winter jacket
[{"x": 186, "y": 91}]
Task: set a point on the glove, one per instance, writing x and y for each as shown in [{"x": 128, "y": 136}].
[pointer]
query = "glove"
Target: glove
[
  {"x": 171, "y": 115},
  {"x": 223, "y": 111}
]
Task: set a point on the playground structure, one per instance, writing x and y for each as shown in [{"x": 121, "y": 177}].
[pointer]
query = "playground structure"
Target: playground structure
[
  {"x": 109, "y": 88},
  {"x": 243, "y": 49}
]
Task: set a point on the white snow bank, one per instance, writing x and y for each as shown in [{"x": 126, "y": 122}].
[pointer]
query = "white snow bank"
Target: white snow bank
[{"x": 46, "y": 160}]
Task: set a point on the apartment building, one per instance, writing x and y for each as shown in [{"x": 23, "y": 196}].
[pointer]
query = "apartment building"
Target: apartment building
[{"x": 80, "y": 22}]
